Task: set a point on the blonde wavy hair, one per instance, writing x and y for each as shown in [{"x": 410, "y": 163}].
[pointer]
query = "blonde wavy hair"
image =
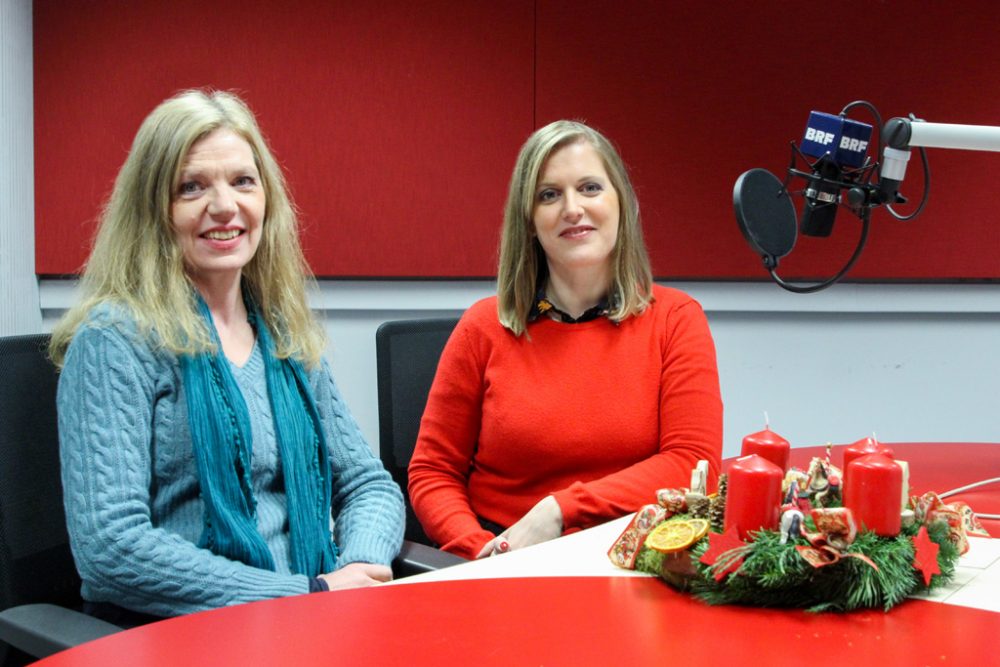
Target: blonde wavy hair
[
  {"x": 137, "y": 263},
  {"x": 522, "y": 259}
]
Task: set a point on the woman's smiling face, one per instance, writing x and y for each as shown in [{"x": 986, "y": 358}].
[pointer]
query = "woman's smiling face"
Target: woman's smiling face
[
  {"x": 218, "y": 206},
  {"x": 576, "y": 209}
]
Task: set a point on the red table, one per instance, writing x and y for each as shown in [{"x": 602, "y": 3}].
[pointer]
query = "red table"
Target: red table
[
  {"x": 575, "y": 621},
  {"x": 545, "y": 621}
]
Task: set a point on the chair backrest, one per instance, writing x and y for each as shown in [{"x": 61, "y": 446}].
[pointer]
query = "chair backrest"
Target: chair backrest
[
  {"x": 407, "y": 353},
  {"x": 36, "y": 564}
]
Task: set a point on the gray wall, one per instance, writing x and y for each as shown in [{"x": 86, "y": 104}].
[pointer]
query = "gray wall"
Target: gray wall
[
  {"x": 18, "y": 289},
  {"x": 909, "y": 362}
]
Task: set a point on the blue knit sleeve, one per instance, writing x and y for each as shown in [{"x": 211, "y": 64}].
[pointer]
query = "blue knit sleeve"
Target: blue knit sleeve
[
  {"x": 107, "y": 393},
  {"x": 367, "y": 504}
]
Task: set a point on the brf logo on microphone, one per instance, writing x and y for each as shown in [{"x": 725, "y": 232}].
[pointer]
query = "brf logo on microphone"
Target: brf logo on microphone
[
  {"x": 845, "y": 140},
  {"x": 819, "y": 136}
]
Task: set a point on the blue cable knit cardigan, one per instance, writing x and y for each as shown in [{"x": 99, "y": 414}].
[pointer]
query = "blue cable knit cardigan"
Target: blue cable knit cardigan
[{"x": 131, "y": 492}]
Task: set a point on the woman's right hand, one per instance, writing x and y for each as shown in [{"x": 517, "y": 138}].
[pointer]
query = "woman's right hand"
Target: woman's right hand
[
  {"x": 357, "y": 575},
  {"x": 497, "y": 545},
  {"x": 542, "y": 523}
]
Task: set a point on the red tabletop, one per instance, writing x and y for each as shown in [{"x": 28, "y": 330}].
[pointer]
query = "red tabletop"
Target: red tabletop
[
  {"x": 576, "y": 621},
  {"x": 544, "y": 621}
]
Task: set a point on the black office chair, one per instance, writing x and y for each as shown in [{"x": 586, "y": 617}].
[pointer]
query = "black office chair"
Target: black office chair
[
  {"x": 407, "y": 353},
  {"x": 39, "y": 584}
]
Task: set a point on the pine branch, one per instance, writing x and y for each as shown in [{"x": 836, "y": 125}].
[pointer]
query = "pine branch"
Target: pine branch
[{"x": 776, "y": 575}]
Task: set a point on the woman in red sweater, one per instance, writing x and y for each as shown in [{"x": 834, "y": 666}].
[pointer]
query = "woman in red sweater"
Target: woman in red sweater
[{"x": 580, "y": 389}]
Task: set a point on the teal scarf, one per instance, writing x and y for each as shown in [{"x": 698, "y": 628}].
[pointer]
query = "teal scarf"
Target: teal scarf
[{"x": 222, "y": 444}]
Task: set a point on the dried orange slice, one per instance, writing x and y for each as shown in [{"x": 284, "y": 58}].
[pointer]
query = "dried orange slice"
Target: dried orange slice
[
  {"x": 672, "y": 536},
  {"x": 700, "y": 528}
]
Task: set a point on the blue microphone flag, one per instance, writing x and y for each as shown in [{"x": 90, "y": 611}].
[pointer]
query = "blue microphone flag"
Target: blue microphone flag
[{"x": 844, "y": 140}]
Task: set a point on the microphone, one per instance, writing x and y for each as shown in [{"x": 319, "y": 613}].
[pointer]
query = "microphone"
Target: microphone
[
  {"x": 821, "y": 198},
  {"x": 763, "y": 206},
  {"x": 835, "y": 148},
  {"x": 837, "y": 142}
]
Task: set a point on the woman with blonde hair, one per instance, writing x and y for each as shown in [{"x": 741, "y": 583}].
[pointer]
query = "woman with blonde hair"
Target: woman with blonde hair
[
  {"x": 205, "y": 447},
  {"x": 581, "y": 388}
]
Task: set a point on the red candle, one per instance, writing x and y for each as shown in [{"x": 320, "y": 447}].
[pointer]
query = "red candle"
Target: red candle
[
  {"x": 872, "y": 489},
  {"x": 863, "y": 447},
  {"x": 768, "y": 444},
  {"x": 753, "y": 495}
]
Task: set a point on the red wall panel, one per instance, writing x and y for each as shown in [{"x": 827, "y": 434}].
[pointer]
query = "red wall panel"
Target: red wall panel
[
  {"x": 695, "y": 93},
  {"x": 397, "y": 122}
]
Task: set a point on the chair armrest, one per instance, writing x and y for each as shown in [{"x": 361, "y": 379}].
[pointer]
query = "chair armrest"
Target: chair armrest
[
  {"x": 415, "y": 558},
  {"x": 43, "y": 629}
]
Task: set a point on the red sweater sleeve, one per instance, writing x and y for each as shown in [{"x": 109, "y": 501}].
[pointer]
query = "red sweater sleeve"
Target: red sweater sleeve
[
  {"x": 449, "y": 430},
  {"x": 690, "y": 410}
]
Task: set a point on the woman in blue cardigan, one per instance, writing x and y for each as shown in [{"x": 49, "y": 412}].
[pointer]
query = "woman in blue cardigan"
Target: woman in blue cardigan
[{"x": 207, "y": 456}]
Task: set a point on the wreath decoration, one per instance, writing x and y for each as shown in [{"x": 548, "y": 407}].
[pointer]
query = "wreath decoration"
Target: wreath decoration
[{"x": 818, "y": 560}]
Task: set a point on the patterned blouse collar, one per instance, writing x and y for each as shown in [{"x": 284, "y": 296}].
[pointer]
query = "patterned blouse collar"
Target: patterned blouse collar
[{"x": 545, "y": 307}]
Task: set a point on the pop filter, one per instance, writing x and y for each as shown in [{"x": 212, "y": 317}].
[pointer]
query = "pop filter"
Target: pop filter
[{"x": 765, "y": 214}]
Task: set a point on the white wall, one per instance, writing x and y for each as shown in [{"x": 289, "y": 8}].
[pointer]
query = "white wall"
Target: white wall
[
  {"x": 18, "y": 288},
  {"x": 910, "y": 362}
]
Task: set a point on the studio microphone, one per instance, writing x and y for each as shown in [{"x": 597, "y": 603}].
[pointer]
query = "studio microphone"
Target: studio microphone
[
  {"x": 821, "y": 198},
  {"x": 762, "y": 202},
  {"x": 840, "y": 146},
  {"x": 838, "y": 171}
]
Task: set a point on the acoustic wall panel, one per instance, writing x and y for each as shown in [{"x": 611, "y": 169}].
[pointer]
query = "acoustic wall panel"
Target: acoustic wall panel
[
  {"x": 695, "y": 93},
  {"x": 397, "y": 122}
]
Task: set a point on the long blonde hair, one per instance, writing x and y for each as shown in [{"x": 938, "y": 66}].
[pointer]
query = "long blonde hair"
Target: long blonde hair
[
  {"x": 521, "y": 255},
  {"x": 137, "y": 263}
]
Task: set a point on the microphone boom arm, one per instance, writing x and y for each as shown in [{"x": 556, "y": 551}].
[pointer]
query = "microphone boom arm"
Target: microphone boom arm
[{"x": 903, "y": 133}]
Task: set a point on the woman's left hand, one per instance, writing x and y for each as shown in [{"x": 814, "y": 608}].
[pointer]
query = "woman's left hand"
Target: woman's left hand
[
  {"x": 357, "y": 575},
  {"x": 542, "y": 523}
]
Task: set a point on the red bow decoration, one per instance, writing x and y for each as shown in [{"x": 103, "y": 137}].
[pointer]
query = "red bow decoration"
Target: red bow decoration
[
  {"x": 837, "y": 530},
  {"x": 823, "y": 555}
]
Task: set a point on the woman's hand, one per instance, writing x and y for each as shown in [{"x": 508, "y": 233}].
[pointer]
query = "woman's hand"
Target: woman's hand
[
  {"x": 497, "y": 545},
  {"x": 357, "y": 575},
  {"x": 542, "y": 523}
]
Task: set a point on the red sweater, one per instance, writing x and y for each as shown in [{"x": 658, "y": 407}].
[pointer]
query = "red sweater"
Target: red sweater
[{"x": 597, "y": 415}]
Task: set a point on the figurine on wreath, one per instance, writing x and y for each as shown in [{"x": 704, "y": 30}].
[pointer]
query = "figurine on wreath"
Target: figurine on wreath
[{"x": 820, "y": 486}]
